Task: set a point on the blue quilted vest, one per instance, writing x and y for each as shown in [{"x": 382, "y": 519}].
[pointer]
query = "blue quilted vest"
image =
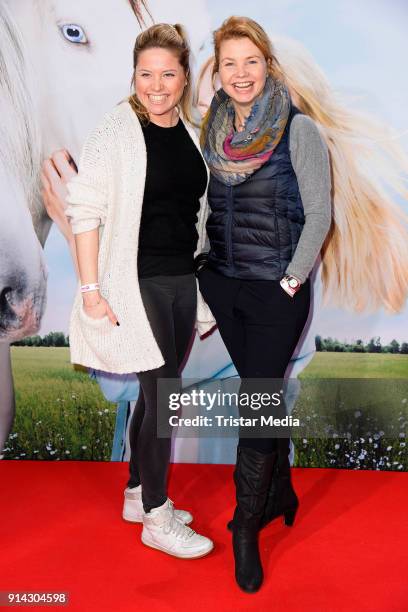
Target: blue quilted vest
[{"x": 254, "y": 227}]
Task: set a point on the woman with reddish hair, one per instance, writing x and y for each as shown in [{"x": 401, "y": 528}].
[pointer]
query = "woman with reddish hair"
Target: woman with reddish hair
[{"x": 269, "y": 195}]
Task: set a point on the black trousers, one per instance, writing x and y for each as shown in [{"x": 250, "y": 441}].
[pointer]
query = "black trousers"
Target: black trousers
[
  {"x": 260, "y": 325},
  {"x": 171, "y": 304}
]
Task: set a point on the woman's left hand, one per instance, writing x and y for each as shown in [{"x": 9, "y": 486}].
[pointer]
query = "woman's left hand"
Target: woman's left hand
[{"x": 290, "y": 284}]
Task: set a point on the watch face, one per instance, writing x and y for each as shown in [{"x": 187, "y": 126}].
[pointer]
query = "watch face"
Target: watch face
[{"x": 293, "y": 282}]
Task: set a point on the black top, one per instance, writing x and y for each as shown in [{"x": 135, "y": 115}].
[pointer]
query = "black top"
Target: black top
[{"x": 176, "y": 178}]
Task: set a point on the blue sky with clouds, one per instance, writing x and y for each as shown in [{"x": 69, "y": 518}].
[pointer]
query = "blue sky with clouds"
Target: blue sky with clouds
[{"x": 362, "y": 46}]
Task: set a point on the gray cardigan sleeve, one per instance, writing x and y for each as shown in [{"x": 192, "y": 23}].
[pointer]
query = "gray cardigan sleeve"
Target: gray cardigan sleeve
[{"x": 310, "y": 161}]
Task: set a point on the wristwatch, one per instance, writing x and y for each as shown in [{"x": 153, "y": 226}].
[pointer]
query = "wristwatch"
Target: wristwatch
[{"x": 290, "y": 284}]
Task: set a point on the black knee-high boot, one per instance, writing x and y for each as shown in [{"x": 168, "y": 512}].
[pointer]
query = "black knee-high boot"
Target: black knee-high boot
[
  {"x": 252, "y": 477},
  {"x": 282, "y": 499}
]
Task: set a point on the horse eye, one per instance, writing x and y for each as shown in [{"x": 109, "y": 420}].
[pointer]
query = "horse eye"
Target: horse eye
[{"x": 74, "y": 33}]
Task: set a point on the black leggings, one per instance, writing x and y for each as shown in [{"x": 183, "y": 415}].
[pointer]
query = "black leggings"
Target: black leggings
[
  {"x": 170, "y": 303},
  {"x": 260, "y": 325}
]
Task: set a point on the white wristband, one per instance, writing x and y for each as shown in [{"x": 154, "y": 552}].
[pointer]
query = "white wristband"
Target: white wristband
[{"x": 89, "y": 287}]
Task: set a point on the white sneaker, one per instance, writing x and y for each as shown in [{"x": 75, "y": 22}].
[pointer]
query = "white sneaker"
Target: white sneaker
[
  {"x": 164, "y": 531},
  {"x": 133, "y": 507}
]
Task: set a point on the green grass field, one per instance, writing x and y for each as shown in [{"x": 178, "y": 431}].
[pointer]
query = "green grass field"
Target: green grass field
[
  {"x": 61, "y": 413},
  {"x": 357, "y": 365}
]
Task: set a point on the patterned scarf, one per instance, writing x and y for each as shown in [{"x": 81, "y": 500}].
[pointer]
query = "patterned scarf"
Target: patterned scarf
[{"x": 233, "y": 156}]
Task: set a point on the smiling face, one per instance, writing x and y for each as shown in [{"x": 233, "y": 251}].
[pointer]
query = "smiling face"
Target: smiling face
[
  {"x": 242, "y": 70},
  {"x": 159, "y": 84}
]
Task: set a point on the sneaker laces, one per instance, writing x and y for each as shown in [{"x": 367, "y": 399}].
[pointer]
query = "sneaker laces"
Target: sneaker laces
[{"x": 176, "y": 526}]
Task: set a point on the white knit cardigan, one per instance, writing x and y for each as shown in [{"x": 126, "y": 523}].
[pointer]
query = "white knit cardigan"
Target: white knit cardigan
[{"x": 108, "y": 192}]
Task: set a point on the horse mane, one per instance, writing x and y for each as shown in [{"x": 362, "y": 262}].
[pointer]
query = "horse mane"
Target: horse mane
[{"x": 365, "y": 255}]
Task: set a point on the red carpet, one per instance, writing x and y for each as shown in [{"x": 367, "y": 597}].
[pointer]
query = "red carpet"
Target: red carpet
[{"x": 61, "y": 530}]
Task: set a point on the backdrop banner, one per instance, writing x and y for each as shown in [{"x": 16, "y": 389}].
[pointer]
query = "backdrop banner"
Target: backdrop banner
[{"x": 62, "y": 66}]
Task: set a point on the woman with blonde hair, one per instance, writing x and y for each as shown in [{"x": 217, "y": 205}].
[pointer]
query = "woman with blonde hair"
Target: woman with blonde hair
[
  {"x": 266, "y": 138},
  {"x": 138, "y": 219},
  {"x": 269, "y": 195}
]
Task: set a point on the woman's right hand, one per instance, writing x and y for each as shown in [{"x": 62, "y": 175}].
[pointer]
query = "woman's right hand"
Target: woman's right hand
[
  {"x": 97, "y": 307},
  {"x": 56, "y": 172}
]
